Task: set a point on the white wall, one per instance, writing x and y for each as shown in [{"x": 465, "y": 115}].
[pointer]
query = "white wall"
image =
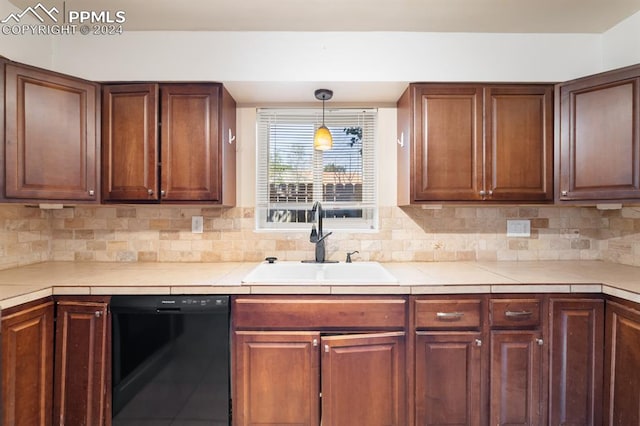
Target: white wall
[
  {"x": 283, "y": 56},
  {"x": 621, "y": 44}
]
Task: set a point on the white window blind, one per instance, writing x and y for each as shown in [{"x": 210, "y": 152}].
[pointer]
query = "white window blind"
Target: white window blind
[{"x": 292, "y": 175}]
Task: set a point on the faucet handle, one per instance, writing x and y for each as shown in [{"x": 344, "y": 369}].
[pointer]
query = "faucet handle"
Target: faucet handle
[{"x": 349, "y": 256}]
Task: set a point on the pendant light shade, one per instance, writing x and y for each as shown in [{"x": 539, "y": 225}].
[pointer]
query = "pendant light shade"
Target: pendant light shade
[{"x": 322, "y": 140}]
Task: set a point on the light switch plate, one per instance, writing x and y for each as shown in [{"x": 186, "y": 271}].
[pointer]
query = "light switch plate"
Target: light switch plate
[
  {"x": 197, "y": 224},
  {"x": 518, "y": 228}
]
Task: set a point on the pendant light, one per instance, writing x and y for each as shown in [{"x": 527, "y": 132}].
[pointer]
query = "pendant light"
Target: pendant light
[{"x": 322, "y": 140}]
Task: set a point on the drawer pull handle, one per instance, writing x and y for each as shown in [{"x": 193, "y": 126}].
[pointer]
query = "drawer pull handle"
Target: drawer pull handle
[
  {"x": 449, "y": 316},
  {"x": 517, "y": 314}
]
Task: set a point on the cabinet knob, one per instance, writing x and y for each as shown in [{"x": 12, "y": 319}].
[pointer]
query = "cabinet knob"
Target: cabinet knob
[
  {"x": 478, "y": 342},
  {"x": 490, "y": 192},
  {"x": 98, "y": 314},
  {"x": 401, "y": 140},
  {"x": 326, "y": 348},
  {"x": 564, "y": 193},
  {"x": 315, "y": 342},
  {"x": 92, "y": 192},
  {"x": 162, "y": 193},
  {"x": 483, "y": 192},
  {"x": 231, "y": 137},
  {"x": 540, "y": 342},
  {"x": 150, "y": 191}
]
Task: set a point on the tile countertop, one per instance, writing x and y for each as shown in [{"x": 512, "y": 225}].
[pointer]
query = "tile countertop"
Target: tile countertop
[{"x": 24, "y": 284}]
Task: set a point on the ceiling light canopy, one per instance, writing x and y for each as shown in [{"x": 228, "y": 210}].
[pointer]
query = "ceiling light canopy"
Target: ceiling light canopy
[{"x": 322, "y": 140}]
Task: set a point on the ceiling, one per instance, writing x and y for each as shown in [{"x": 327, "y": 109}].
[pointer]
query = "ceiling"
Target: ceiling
[{"x": 513, "y": 16}]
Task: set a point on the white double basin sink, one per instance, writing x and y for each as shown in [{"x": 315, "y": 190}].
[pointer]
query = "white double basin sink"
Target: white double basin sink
[{"x": 292, "y": 273}]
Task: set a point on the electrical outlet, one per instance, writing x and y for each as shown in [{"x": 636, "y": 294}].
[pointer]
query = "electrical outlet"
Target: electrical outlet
[
  {"x": 518, "y": 228},
  {"x": 197, "y": 224}
]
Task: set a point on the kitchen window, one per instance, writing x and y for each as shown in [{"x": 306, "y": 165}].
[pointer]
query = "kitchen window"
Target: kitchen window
[{"x": 292, "y": 175}]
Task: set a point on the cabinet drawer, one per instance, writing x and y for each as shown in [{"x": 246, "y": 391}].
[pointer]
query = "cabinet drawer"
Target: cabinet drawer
[
  {"x": 515, "y": 312},
  {"x": 317, "y": 313},
  {"x": 444, "y": 313}
]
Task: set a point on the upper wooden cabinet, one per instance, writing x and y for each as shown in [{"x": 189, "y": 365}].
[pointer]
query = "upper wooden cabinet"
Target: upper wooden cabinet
[
  {"x": 51, "y": 136},
  {"x": 169, "y": 143},
  {"x": 598, "y": 137},
  {"x": 472, "y": 142}
]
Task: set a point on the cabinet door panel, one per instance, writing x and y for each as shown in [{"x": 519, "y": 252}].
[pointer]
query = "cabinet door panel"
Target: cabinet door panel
[
  {"x": 27, "y": 366},
  {"x": 519, "y": 143},
  {"x": 448, "y": 149},
  {"x": 277, "y": 378},
  {"x": 190, "y": 142},
  {"x": 448, "y": 379},
  {"x": 600, "y": 138},
  {"x": 363, "y": 379},
  {"x": 80, "y": 370},
  {"x": 51, "y": 143},
  {"x": 576, "y": 367},
  {"x": 622, "y": 377},
  {"x": 130, "y": 142},
  {"x": 516, "y": 378}
]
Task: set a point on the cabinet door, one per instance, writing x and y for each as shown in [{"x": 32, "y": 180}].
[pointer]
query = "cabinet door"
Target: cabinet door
[
  {"x": 622, "y": 358},
  {"x": 130, "y": 142},
  {"x": 448, "y": 378},
  {"x": 576, "y": 364},
  {"x": 277, "y": 378},
  {"x": 27, "y": 366},
  {"x": 447, "y": 157},
  {"x": 363, "y": 378},
  {"x": 80, "y": 367},
  {"x": 516, "y": 378},
  {"x": 51, "y": 143},
  {"x": 519, "y": 143},
  {"x": 190, "y": 142},
  {"x": 599, "y": 153}
]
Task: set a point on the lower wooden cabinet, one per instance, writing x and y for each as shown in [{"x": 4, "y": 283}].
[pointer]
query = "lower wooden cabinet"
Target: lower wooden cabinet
[
  {"x": 65, "y": 383},
  {"x": 289, "y": 369},
  {"x": 80, "y": 394},
  {"x": 27, "y": 365},
  {"x": 363, "y": 378},
  {"x": 517, "y": 360},
  {"x": 277, "y": 378},
  {"x": 516, "y": 395},
  {"x": 622, "y": 365},
  {"x": 576, "y": 361},
  {"x": 286, "y": 377},
  {"x": 448, "y": 378}
]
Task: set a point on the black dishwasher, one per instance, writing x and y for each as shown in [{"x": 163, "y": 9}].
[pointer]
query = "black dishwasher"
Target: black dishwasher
[{"x": 170, "y": 362}]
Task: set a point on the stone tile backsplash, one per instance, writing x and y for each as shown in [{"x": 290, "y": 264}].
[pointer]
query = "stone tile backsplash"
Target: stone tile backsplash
[{"x": 163, "y": 234}]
